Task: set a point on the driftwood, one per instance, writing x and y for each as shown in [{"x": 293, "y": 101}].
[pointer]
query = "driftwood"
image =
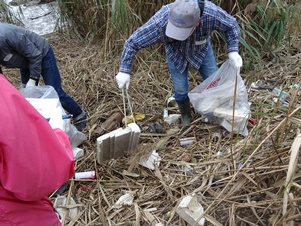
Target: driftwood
[{"x": 110, "y": 124}]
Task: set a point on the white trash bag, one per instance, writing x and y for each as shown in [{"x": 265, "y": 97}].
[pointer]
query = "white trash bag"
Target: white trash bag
[
  {"x": 46, "y": 101},
  {"x": 214, "y": 99}
]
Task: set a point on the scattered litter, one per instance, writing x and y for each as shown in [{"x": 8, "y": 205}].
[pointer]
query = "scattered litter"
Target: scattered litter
[
  {"x": 130, "y": 174},
  {"x": 190, "y": 210},
  {"x": 60, "y": 205},
  {"x": 126, "y": 199},
  {"x": 284, "y": 102},
  {"x": 131, "y": 118},
  {"x": 155, "y": 127},
  {"x": 171, "y": 118},
  {"x": 240, "y": 164},
  {"x": 77, "y": 153},
  {"x": 171, "y": 114},
  {"x": 279, "y": 92},
  {"x": 153, "y": 159},
  {"x": 188, "y": 169},
  {"x": 264, "y": 85},
  {"x": 223, "y": 153},
  {"x": 270, "y": 85},
  {"x": 187, "y": 141},
  {"x": 85, "y": 175},
  {"x": 296, "y": 86}
]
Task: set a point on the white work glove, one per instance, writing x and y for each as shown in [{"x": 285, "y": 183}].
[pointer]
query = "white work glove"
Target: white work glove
[
  {"x": 123, "y": 79},
  {"x": 30, "y": 83},
  {"x": 235, "y": 59}
]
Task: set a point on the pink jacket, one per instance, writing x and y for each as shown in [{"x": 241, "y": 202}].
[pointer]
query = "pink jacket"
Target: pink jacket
[{"x": 34, "y": 161}]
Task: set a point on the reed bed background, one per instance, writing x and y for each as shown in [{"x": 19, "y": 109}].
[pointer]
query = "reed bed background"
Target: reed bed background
[{"x": 257, "y": 183}]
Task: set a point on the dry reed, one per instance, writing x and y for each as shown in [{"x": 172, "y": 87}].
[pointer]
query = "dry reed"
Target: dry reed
[{"x": 261, "y": 187}]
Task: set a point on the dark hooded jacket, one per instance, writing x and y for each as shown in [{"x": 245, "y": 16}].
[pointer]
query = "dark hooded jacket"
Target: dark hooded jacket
[{"x": 21, "y": 48}]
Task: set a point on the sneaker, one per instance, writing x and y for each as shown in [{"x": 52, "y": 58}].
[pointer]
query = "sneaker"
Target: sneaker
[{"x": 81, "y": 121}]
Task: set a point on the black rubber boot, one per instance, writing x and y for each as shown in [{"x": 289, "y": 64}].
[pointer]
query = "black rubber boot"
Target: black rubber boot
[
  {"x": 81, "y": 121},
  {"x": 185, "y": 113}
]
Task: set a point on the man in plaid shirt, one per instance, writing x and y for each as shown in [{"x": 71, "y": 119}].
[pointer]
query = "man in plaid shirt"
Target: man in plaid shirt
[{"x": 185, "y": 27}]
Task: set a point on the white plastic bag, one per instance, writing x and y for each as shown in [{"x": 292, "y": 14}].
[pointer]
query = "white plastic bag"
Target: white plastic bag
[
  {"x": 214, "y": 99},
  {"x": 46, "y": 101}
]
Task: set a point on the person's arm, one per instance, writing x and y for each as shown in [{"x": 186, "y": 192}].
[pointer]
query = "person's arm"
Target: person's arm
[
  {"x": 152, "y": 32},
  {"x": 228, "y": 25},
  {"x": 26, "y": 48},
  {"x": 35, "y": 160}
]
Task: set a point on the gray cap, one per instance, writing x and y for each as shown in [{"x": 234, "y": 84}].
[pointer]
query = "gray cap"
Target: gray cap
[{"x": 183, "y": 16}]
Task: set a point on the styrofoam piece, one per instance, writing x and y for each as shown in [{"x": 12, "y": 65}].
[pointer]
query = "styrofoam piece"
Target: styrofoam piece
[
  {"x": 99, "y": 150},
  {"x": 135, "y": 135},
  {"x": 60, "y": 206},
  {"x": 103, "y": 147},
  {"x": 77, "y": 153},
  {"x": 60, "y": 201},
  {"x": 126, "y": 199},
  {"x": 117, "y": 142},
  {"x": 121, "y": 142},
  {"x": 73, "y": 211},
  {"x": 172, "y": 118},
  {"x": 190, "y": 210},
  {"x": 153, "y": 159}
]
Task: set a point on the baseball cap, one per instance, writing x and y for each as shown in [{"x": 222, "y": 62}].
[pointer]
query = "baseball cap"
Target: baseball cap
[{"x": 182, "y": 18}]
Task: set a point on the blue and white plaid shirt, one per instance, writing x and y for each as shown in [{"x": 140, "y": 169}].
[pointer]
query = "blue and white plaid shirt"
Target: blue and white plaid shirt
[{"x": 193, "y": 49}]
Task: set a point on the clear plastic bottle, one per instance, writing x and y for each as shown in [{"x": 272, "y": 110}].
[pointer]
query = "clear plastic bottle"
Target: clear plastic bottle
[{"x": 279, "y": 92}]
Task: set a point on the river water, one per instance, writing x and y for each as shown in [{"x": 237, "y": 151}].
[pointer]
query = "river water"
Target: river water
[{"x": 40, "y": 19}]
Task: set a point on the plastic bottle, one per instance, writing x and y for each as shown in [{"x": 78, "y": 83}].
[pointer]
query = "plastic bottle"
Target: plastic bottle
[{"x": 279, "y": 92}]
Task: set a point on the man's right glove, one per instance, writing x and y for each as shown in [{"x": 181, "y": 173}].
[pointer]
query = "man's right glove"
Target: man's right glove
[
  {"x": 235, "y": 59},
  {"x": 123, "y": 79}
]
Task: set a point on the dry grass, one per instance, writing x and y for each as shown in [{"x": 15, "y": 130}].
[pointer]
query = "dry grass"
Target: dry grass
[{"x": 258, "y": 184}]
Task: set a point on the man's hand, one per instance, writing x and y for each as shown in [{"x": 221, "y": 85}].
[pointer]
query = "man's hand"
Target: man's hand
[
  {"x": 123, "y": 79},
  {"x": 235, "y": 59},
  {"x": 31, "y": 82}
]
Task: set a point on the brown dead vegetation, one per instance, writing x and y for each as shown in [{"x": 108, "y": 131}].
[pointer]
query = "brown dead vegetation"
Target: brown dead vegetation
[{"x": 257, "y": 183}]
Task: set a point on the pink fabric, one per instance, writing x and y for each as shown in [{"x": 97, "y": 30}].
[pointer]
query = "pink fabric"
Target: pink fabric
[{"x": 34, "y": 161}]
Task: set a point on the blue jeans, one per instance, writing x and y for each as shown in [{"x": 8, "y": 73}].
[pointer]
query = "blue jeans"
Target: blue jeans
[
  {"x": 51, "y": 76},
  {"x": 180, "y": 80}
]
